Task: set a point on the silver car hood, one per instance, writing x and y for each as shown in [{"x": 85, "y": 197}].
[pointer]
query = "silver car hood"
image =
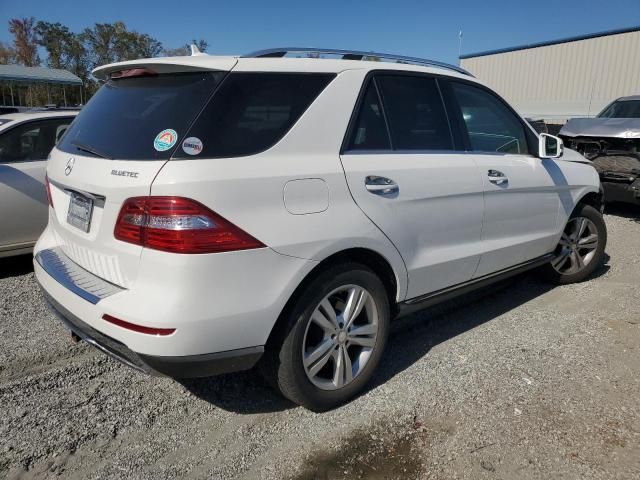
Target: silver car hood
[
  {"x": 569, "y": 155},
  {"x": 602, "y": 127}
]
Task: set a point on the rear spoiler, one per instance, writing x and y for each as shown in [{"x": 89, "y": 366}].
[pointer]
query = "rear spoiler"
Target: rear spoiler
[{"x": 169, "y": 65}]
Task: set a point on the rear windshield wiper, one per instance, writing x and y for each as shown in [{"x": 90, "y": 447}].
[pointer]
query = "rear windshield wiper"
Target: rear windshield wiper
[{"x": 90, "y": 149}]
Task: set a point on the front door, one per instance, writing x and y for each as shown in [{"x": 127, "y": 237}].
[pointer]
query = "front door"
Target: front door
[{"x": 521, "y": 198}]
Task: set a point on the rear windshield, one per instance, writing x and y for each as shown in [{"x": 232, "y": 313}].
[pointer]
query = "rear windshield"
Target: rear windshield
[
  {"x": 251, "y": 112},
  {"x": 624, "y": 109},
  {"x": 140, "y": 118},
  {"x": 149, "y": 118}
]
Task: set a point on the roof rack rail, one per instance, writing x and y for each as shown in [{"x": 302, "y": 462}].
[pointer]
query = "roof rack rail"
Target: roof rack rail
[{"x": 354, "y": 55}]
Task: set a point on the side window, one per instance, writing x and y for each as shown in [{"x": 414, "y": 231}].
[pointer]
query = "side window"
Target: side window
[
  {"x": 31, "y": 141},
  {"x": 491, "y": 125},
  {"x": 20, "y": 143},
  {"x": 415, "y": 112},
  {"x": 370, "y": 131},
  {"x": 251, "y": 112}
]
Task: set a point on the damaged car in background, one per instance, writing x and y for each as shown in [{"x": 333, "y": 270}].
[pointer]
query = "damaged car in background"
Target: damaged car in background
[{"x": 612, "y": 142}]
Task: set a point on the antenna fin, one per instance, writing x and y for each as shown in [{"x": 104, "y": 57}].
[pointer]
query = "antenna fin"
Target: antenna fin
[{"x": 195, "y": 51}]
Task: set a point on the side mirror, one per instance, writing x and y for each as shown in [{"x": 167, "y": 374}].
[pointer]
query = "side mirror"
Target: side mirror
[{"x": 549, "y": 146}]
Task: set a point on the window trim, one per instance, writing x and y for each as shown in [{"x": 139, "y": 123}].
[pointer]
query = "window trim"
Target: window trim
[
  {"x": 383, "y": 110},
  {"x": 456, "y": 111},
  {"x": 369, "y": 80},
  {"x": 355, "y": 111},
  {"x": 21, "y": 123},
  {"x": 371, "y": 76}
]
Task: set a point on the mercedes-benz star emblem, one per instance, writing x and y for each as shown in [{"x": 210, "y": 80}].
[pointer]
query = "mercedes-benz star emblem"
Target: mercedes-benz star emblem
[{"x": 69, "y": 166}]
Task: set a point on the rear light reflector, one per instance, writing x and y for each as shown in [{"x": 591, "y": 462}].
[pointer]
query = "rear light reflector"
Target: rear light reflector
[
  {"x": 179, "y": 225},
  {"x": 161, "y": 332},
  {"x": 48, "y": 187}
]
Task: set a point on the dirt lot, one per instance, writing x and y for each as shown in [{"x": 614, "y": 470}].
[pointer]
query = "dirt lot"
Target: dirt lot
[{"x": 525, "y": 382}]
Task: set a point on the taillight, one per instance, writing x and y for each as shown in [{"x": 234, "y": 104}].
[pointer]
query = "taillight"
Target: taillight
[
  {"x": 48, "y": 187},
  {"x": 179, "y": 225},
  {"x": 162, "y": 332}
]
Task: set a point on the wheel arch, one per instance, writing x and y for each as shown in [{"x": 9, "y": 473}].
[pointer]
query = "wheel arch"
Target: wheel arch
[
  {"x": 364, "y": 256},
  {"x": 594, "y": 199}
]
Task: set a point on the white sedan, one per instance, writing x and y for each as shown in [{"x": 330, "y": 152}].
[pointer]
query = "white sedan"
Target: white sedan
[{"x": 25, "y": 142}]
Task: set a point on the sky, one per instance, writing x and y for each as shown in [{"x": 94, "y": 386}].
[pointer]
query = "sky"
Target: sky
[{"x": 414, "y": 28}]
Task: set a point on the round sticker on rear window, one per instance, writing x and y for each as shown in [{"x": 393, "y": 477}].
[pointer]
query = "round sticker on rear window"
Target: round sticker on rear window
[
  {"x": 192, "y": 145},
  {"x": 165, "y": 140}
]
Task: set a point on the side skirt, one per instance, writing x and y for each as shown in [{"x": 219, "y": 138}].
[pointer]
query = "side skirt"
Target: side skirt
[{"x": 424, "y": 301}]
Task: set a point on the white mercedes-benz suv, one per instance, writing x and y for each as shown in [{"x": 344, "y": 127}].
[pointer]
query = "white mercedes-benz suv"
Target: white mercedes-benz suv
[{"x": 210, "y": 214}]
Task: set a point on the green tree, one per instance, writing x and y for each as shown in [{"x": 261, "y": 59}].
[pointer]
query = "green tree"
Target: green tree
[
  {"x": 25, "y": 42},
  {"x": 57, "y": 40},
  {"x": 7, "y": 54},
  {"x": 77, "y": 60},
  {"x": 100, "y": 43},
  {"x": 65, "y": 50},
  {"x": 113, "y": 42}
]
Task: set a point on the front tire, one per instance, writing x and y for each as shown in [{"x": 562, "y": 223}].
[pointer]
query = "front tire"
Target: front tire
[
  {"x": 332, "y": 339},
  {"x": 581, "y": 248}
]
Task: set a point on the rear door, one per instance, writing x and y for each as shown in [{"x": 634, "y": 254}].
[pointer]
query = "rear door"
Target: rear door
[
  {"x": 521, "y": 198},
  {"x": 23, "y": 200},
  {"x": 406, "y": 174},
  {"x": 113, "y": 151}
]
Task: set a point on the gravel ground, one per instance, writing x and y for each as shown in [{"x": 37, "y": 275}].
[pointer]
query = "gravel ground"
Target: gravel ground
[{"x": 524, "y": 382}]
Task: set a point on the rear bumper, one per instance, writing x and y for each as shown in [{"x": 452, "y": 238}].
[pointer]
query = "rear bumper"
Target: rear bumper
[
  {"x": 216, "y": 303},
  {"x": 177, "y": 367}
]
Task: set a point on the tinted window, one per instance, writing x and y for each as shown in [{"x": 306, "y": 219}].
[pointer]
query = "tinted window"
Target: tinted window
[
  {"x": 31, "y": 140},
  {"x": 416, "y": 115},
  {"x": 491, "y": 125},
  {"x": 369, "y": 131},
  {"x": 624, "y": 109},
  {"x": 125, "y": 116},
  {"x": 251, "y": 112}
]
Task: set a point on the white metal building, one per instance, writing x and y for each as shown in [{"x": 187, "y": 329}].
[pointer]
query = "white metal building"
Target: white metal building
[{"x": 565, "y": 78}]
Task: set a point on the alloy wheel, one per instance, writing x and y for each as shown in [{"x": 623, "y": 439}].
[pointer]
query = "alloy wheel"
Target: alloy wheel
[
  {"x": 340, "y": 337},
  {"x": 577, "y": 246}
]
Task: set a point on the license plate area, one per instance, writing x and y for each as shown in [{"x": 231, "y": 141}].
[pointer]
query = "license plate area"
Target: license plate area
[{"x": 80, "y": 211}]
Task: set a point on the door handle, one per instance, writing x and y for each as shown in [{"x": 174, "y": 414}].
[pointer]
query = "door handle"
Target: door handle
[
  {"x": 497, "y": 177},
  {"x": 382, "y": 186}
]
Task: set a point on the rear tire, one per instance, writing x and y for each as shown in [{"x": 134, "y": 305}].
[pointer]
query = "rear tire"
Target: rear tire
[
  {"x": 581, "y": 248},
  {"x": 331, "y": 340}
]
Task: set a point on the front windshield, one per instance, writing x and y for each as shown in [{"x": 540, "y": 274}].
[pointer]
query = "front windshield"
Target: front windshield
[{"x": 622, "y": 109}]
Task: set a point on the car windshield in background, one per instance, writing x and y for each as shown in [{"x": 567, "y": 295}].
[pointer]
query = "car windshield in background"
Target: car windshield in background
[
  {"x": 140, "y": 118},
  {"x": 623, "y": 109}
]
